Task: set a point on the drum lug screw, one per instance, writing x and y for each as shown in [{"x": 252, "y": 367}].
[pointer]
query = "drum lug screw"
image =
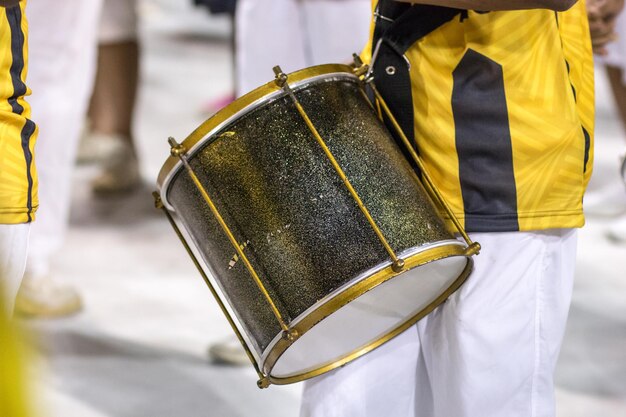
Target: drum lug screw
[
  {"x": 398, "y": 265},
  {"x": 360, "y": 68},
  {"x": 263, "y": 383},
  {"x": 473, "y": 249},
  {"x": 291, "y": 335},
  {"x": 158, "y": 203},
  {"x": 177, "y": 149},
  {"x": 281, "y": 77}
]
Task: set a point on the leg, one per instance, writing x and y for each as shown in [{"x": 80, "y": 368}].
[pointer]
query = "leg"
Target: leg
[
  {"x": 268, "y": 34},
  {"x": 113, "y": 100},
  {"x": 389, "y": 381},
  {"x": 13, "y": 250},
  {"x": 492, "y": 348},
  {"x": 617, "y": 78},
  {"x": 62, "y": 63},
  {"x": 335, "y": 29}
]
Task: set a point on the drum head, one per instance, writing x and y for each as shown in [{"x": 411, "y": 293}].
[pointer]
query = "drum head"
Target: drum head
[{"x": 371, "y": 319}]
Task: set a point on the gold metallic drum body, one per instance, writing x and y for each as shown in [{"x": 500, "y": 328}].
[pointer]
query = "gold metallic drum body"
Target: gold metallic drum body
[{"x": 295, "y": 222}]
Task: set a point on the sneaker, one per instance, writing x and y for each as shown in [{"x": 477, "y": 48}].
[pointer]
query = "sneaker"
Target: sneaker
[
  {"x": 229, "y": 352},
  {"x": 45, "y": 298},
  {"x": 120, "y": 168},
  {"x": 89, "y": 147},
  {"x": 616, "y": 232}
]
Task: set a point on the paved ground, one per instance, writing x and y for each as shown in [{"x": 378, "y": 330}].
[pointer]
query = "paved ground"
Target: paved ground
[{"x": 139, "y": 348}]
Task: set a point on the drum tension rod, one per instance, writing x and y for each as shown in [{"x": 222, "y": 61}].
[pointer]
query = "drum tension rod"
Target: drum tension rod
[
  {"x": 179, "y": 151},
  {"x": 263, "y": 381},
  {"x": 397, "y": 264},
  {"x": 364, "y": 71}
]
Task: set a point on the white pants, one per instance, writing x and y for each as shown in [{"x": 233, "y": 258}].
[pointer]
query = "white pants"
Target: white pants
[
  {"x": 296, "y": 34},
  {"x": 489, "y": 351},
  {"x": 62, "y": 53},
  {"x": 13, "y": 250},
  {"x": 118, "y": 22},
  {"x": 617, "y": 50}
]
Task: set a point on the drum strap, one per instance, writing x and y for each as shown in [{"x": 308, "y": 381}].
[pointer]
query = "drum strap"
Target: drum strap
[{"x": 398, "y": 26}]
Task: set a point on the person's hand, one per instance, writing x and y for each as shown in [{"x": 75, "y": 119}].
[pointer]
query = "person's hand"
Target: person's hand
[{"x": 602, "y": 17}]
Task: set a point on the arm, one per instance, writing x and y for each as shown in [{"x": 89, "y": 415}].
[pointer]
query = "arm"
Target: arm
[{"x": 494, "y": 5}]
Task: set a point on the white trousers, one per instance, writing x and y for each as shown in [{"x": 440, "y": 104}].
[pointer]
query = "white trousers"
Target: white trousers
[
  {"x": 489, "y": 351},
  {"x": 617, "y": 50},
  {"x": 62, "y": 53},
  {"x": 296, "y": 34},
  {"x": 118, "y": 22},
  {"x": 13, "y": 250}
]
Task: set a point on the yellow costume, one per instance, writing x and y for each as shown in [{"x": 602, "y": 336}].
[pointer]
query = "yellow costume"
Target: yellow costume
[
  {"x": 18, "y": 177},
  {"x": 503, "y": 110}
]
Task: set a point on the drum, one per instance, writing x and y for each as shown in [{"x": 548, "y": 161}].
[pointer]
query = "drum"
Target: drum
[{"x": 311, "y": 228}]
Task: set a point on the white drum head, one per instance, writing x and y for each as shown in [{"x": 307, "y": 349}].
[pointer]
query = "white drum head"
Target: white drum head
[{"x": 369, "y": 318}]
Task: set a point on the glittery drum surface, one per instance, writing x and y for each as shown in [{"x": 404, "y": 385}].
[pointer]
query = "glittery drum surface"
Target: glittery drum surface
[{"x": 300, "y": 228}]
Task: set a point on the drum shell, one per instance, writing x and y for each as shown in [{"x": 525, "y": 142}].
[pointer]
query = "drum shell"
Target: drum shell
[{"x": 297, "y": 223}]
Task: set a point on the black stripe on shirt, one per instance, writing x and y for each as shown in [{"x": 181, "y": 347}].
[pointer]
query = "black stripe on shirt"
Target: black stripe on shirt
[
  {"x": 14, "y": 17},
  {"x": 483, "y": 142}
]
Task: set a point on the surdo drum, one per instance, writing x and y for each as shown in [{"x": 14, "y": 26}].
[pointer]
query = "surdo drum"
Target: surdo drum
[{"x": 310, "y": 227}]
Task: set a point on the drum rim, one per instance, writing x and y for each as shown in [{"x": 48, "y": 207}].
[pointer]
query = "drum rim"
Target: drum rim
[
  {"x": 239, "y": 108},
  {"x": 430, "y": 254}
]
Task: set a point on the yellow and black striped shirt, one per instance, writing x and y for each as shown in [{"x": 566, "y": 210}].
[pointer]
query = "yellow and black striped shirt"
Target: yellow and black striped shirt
[
  {"x": 503, "y": 111},
  {"x": 18, "y": 177}
]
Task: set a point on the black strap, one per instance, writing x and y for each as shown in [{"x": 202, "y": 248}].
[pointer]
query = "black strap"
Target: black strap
[{"x": 398, "y": 26}]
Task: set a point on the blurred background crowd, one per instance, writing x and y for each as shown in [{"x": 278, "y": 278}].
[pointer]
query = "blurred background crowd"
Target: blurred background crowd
[{"x": 116, "y": 320}]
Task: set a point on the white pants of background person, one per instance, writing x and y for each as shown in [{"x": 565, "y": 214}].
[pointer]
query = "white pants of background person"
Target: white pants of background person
[
  {"x": 118, "y": 21},
  {"x": 13, "y": 250},
  {"x": 489, "y": 351},
  {"x": 616, "y": 58},
  {"x": 62, "y": 50},
  {"x": 296, "y": 34},
  {"x": 617, "y": 50}
]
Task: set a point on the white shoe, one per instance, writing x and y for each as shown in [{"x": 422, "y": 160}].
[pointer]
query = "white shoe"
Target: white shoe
[
  {"x": 120, "y": 168},
  {"x": 45, "y": 298},
  {"x": 617, "y": 231},
  {"x": 89, "y": 147},
  {"x": 229, "y": 352}
]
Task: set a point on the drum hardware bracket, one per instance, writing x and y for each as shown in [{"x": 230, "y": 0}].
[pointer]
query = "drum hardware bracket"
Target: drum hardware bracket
[
  {"x": 473, "y": 249},
  {"x": 281, "y": 80},
  {"x": 263, "y": 382},
  {"x": 178, "y": 150},
  {"x": 398, "y": 265},
  {"x": 281, "y": 77},
  {"x": 362, "y": 70},
  {"x": 291, "y": 335}
]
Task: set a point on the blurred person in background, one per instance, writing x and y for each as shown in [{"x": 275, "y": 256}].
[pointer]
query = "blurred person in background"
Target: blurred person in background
[
  {"x": 18, "y": 177},
  {"x": 62, "y": 49},
  {"x": 111, "y": 110},
  {"x": 608, "y": 28},
  {"x": 294, "y": 34},
  {"x": 220, "y": 7}
]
